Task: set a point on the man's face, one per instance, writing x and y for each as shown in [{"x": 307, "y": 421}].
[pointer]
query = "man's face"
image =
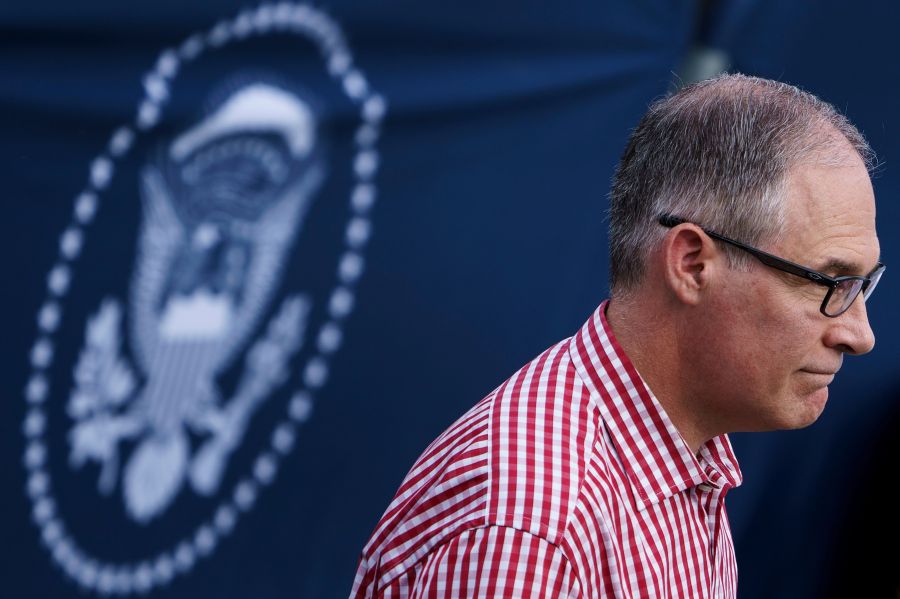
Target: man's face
[{"x": 772, "y": 368}]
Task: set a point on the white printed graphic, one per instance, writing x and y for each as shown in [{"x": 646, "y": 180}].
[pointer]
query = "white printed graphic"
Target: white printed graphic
[
  {"x": 220, "y": 213},
  {"x": 223, "y": 203}
]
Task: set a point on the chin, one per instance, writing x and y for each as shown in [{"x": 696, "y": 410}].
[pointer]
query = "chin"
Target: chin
[{"x": 811, "y": 407}]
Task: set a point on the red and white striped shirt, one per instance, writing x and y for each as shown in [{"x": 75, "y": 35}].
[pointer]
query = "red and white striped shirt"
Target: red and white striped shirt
[{"x": 569, "y": 480}]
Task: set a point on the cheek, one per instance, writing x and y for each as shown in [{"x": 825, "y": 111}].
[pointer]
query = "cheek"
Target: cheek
[
  {"x": 766, "y": 334},
  {"x": 783, "y": 346}
]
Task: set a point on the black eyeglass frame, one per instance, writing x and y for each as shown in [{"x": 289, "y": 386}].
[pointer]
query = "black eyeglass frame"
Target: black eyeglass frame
[{"x": 866, "y": 288}]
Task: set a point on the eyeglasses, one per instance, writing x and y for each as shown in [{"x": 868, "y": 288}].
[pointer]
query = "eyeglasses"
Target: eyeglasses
[{"x": 842, "y": 291}]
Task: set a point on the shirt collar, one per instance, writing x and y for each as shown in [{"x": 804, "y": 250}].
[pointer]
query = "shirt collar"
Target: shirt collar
[{"x": 655, "y": 456}]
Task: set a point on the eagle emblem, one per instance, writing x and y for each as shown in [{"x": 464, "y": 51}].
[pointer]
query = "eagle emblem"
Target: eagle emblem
[{"x": 222, "y": 204}]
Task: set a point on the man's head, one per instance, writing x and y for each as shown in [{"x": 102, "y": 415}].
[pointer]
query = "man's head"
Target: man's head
[{"x": 771, "y": 166}]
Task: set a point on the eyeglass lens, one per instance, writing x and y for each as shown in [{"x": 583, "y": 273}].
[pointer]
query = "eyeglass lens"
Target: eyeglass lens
[
  {"x": 843, "y": 295},
  {"x": 846, "y": 291}
]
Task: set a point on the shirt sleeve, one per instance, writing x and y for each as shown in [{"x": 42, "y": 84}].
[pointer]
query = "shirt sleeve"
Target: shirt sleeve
[{"x": 496, "y": 561}]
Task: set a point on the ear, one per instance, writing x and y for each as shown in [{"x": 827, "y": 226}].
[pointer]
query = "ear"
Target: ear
[{"x": 689, "y": 262}]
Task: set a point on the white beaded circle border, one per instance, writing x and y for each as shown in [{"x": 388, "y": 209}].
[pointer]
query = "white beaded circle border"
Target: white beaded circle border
[{"x": 125, "y": 578}]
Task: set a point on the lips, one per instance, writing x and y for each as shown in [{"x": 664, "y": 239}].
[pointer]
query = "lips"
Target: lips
[{"x": 823, "y": 372}]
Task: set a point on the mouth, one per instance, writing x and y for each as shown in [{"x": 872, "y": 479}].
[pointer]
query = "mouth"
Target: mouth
[
  {"x": 821, "y": 377},
  {"x": 820, "y": 372}
]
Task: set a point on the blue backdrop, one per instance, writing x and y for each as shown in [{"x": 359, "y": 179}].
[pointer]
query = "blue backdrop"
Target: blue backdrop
[{"x": 417, "y": 191}]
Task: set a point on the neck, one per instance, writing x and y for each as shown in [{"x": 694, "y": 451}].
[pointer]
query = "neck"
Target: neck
[{"x": 648, "y": 332}]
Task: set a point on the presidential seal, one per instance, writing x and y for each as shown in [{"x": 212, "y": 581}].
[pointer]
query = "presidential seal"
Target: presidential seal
[{"x": 170, "y": 372}]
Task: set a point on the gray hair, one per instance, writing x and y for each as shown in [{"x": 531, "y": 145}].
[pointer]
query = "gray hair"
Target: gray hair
[{"x": 717, "y": 153}]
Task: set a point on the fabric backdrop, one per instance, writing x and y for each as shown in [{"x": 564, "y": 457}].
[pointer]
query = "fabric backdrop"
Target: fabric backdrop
[{"x": 259, "y": 256}]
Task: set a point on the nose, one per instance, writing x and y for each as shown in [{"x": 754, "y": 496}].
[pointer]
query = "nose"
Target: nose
[{"x": 850, "y": 332}]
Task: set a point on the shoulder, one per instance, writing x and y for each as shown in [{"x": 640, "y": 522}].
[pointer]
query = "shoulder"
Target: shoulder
[
  {"x": 543, "y": 428},
  {"x": 515, "y": 462},
  {"x": 443, "y": 495}
]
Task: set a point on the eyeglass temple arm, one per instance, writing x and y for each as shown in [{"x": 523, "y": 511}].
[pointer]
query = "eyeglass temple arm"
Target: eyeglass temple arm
[{"x": 667, "y": 220}]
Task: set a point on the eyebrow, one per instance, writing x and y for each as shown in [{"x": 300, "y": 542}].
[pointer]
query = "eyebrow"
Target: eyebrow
[{"x": 842, "y": 267}]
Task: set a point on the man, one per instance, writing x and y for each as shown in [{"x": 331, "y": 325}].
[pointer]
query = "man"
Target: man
[{"x": 600, "y": 469}]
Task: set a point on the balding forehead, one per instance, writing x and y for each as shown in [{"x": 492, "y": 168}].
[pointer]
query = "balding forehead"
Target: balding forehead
[{"x": 827, "y": 146}]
